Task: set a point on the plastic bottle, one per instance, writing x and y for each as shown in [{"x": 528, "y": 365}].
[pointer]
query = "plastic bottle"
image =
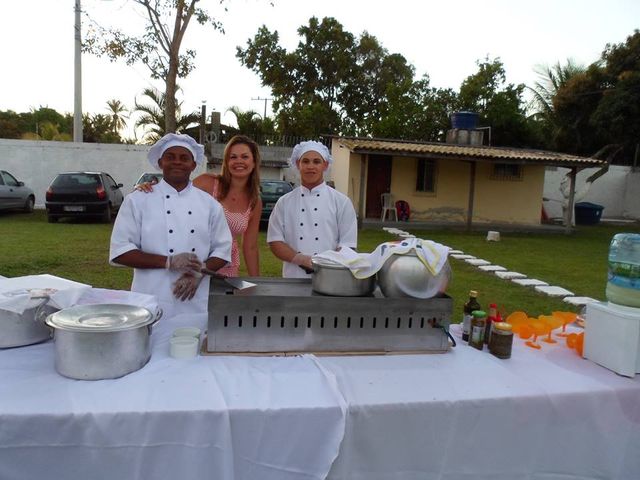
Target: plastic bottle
[
  {"x": 623, "y": 285},
  {"x": 469, "y": 307},
  {"x": 476, "y": 333}
]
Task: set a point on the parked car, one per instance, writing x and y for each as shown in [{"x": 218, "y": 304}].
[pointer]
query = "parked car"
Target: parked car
[
  {"x": 151, "y": 177},
  {"x": 270, "y": 192},
  {"x": 14, "y": 194},
  {"x": 83, "y": 194}
]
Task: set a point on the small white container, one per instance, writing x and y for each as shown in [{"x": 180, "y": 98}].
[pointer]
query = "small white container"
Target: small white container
[
  {"x": 493, "y": 236},
  {"x": 183, "y": 347},
  {"x": 612, "y": 337},
  {"x": 187, "y": 332}
]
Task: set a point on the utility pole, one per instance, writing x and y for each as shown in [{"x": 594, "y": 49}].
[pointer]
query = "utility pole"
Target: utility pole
[
  {"x": 265, "y": 105},
  {"x": 203, "y": 121},
  {"x": 77, "y": 97}
]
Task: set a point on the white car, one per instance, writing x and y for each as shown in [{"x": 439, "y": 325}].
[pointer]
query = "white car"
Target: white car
[{"x": 14, "y": 195}]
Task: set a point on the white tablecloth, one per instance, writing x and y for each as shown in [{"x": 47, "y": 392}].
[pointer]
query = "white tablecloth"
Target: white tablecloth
[{"x": 546, "y": 415}]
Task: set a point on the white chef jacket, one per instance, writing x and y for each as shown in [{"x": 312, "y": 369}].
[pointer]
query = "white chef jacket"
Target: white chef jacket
[
  {"x": 168, "y": 222},
  {"x": 312, "y": 221}
]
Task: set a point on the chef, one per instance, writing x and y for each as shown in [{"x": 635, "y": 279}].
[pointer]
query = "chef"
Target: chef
[
  {"x": 312, "y": 218},
  {"x": 169, "y": 234}
]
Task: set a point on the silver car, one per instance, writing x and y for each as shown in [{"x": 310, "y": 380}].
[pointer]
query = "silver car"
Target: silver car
[{"x": 14, "y": 195}]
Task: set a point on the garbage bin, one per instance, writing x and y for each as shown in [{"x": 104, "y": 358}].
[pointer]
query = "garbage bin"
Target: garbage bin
[{"x": 588, "y": 213}]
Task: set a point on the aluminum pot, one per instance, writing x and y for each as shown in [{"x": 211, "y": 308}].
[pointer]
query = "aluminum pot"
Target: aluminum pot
[
  {"x": 28, "y": 327},
  {"x": 96, "y": 342},
  {"x": 331, "y": 278},
  {"x": 404, "y": 275}
]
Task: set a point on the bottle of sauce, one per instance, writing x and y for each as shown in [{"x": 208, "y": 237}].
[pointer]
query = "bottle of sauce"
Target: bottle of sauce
[
  {"x": 491, "y": 318},
  {"x": 623, "y": 283},
  {"x": 501, "y": 341},
  {"x": 469, "y": 307},
  {"x": 476, "y": 332}
]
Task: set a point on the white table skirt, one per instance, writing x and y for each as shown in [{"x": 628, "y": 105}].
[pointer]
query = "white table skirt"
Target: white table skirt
[{"x": 465, "y": 414}]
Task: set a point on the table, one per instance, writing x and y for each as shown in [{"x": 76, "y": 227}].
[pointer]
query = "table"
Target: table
[{"x": 464, "y": 414}]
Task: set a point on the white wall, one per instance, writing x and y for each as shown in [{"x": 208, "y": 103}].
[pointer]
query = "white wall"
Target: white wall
[
  {"x": 618, "y": 191},
  {"x": 36, "y": 163}
]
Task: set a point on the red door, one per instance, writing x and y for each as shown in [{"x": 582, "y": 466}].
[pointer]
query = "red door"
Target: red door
[{"x": 378, "y": 182}]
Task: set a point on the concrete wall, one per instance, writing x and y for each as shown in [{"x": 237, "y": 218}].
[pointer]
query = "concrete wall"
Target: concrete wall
[
  {"x": 618, "y": 191},
  {"x": 449, "y": 203},
  {"x": 36, "y": 163}
]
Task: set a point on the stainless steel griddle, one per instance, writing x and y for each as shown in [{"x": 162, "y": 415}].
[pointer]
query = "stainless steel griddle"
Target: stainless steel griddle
[{"x": 285, "y": 315}]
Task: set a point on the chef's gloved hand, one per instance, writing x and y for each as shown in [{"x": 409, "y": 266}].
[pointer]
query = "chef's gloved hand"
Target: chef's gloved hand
[
  {"x": 183, "y": 262},
  {"x": 186, "y": 286},
  {"x": 303, "y": 261}
]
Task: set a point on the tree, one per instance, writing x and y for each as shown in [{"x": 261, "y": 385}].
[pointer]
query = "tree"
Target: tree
[
  {"x": 331, "y": 83},
  {"x": 544, "y": 118},
  {"x": 415, "y": 112},
  {"x": 98, "y": 128},
  {"x": 573, "y": 105},
  {"x": 158, "y": 47},
  {"x": 118, "y": 113},
  {"x": 152, "y": 118},
  {"x": 499, "y": 104},
  {"x": 248, "y": 121},
  {"x": 617, "y": 116}
]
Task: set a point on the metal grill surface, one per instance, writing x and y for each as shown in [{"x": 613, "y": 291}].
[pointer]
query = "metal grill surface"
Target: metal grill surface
[{"x": 285, "y": 315}]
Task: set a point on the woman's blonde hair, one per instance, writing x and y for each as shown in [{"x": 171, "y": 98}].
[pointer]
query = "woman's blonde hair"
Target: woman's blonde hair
[{"x": 253, "y": 185}]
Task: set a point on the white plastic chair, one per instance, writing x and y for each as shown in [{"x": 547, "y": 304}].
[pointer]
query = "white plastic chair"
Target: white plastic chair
[{"x": 388, "y": 206}]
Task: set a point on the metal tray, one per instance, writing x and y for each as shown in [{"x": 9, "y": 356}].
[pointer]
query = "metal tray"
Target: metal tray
[{"x": 285, "y": 315}]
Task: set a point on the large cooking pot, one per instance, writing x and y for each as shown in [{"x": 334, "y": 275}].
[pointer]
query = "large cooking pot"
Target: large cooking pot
[
  {"x": 95, "y": 342},
  {"x": 404, "y": 275},
  {"x": 331, "y": 278},
  {"x": 28, "y": 327}
]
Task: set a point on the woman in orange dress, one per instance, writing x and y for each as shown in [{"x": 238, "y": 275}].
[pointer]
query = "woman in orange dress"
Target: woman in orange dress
[{"x": 237, "y": 188}]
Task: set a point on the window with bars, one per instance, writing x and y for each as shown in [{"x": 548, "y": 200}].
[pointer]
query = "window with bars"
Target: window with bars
[
  {"x": 426, "y": 176},
  {"x": 506, "y": 171}
]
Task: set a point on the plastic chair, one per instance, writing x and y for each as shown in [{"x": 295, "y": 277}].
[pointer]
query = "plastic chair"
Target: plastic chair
[{"x": 388, "y": 206}]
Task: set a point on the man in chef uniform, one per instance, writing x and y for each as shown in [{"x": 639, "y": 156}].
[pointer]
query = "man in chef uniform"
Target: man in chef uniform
[
  {"x": 313, "y": 217},
  {"x": 169, "y": 234}
]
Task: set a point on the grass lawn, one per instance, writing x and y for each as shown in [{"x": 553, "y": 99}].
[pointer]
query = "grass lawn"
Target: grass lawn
[{"x": 78, "y": 251}]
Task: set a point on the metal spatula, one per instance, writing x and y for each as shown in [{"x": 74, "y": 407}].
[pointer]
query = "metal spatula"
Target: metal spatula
[{"x": 234, "y": 282}]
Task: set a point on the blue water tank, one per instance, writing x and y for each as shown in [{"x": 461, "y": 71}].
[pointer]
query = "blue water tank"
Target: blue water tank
[{"x": 464, "y": 120}]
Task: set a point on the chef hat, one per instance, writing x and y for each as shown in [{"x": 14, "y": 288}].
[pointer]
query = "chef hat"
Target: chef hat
[
  {"x": 175, "y": 140},
  {"x": 309, "y": 146}
]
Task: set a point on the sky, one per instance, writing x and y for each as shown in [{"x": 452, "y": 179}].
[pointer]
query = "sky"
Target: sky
[{"x": 441, "y": 39}]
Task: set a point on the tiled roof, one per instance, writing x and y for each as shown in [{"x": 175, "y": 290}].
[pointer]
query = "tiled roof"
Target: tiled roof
[{"x": 467, "y": 152}]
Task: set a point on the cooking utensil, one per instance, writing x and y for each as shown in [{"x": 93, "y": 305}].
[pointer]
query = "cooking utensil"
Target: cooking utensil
[
  {"x": 28, "y": 327},
  {"x": 100, "y": 341},
  {"x": 404, "y": 275},
  {"x": 284, "y": 315},
  {"x": 234, "y": 282},
  {"x": 332, "y": 278}
]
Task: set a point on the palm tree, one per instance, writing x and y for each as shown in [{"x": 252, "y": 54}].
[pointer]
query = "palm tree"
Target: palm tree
[
  {"x": 152, "y": 118},
  {"x": 551, "y": 80},
  {"x": 249, "y": 122},
  {"x": 118, "y": 113}
]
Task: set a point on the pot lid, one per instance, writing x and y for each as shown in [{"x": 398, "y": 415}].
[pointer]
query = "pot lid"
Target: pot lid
[{"x": 104, "y": 317}]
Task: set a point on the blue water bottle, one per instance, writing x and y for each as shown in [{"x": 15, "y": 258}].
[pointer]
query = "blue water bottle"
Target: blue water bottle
[{"x": 623, "y": 285}]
